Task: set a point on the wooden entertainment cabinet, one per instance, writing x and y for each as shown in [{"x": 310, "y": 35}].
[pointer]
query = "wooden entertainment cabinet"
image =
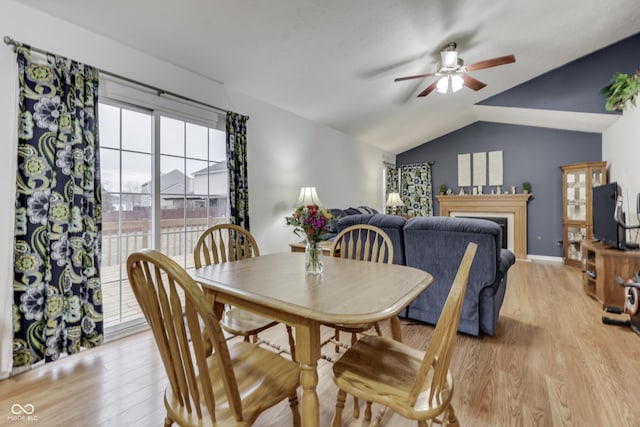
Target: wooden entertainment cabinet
[{"x": 600, "y": 265}]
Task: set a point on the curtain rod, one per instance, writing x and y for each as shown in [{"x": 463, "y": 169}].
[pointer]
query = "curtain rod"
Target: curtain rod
[{"x": 16, "y": 44}]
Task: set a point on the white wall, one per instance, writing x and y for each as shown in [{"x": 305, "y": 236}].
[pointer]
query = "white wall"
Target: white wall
[
  {"x": 621, "y": 149},
  {"x": 285, "y": 151}
]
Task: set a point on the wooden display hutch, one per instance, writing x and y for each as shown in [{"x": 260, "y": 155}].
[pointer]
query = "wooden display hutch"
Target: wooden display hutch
[
  {"x": 577, "y": 181},
  {"x": 600, "y": 265}
]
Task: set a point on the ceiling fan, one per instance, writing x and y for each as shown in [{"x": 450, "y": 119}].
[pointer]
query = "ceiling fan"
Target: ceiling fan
[{"x": 453, "y": 72}]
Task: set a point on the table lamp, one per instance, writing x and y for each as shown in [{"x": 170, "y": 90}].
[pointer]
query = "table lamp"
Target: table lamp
[
  {"x": 308, "y": 196},
  {"x": 394, "y": 201}
]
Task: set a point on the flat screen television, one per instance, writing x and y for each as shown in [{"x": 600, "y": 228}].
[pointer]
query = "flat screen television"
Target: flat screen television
[{"x": 603, "y": 207}]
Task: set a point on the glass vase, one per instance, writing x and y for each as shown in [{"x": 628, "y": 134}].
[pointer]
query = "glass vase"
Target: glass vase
[{"x": 313, "y": 258}]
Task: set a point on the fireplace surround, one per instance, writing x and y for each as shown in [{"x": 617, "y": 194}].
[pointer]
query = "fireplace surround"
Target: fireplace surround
[{"x": 510, "y": 206}]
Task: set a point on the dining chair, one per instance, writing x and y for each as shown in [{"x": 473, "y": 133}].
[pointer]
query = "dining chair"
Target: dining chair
[
  {"x": 233, "y": 384},
  {"x": 362, "y": 242},
  {"x": 226, "y": 243},
  {"x": 416, "y": 385}
]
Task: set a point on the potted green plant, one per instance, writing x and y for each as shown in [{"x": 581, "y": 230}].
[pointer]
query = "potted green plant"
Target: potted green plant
[
  {"x": 622, "y": 89},
  {"x": 443, "y": 189},
  {"x": 526, "y": 187}
]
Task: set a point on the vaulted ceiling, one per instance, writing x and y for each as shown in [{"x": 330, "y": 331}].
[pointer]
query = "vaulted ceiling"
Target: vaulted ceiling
[{"x": 334, "y": 61}]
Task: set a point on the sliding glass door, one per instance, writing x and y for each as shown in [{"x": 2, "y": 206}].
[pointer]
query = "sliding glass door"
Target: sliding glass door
[{"x": 164, "y": 182}]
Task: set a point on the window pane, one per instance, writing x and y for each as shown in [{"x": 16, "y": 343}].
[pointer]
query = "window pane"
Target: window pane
[
  {"x": 136, "y": 173},
  {"x": 173, "y": 244},
  {"x": 109, "y": 170},
  {"x": 218, "y": 209},
  {"x": 111, "y": 303},
  {"x": 136, "y": 131},
  {"x": 172, "y": 177},
  {"x": 109, "y": 126},
  {"x": 217, "y": 145},
  {"x": 110, "y": 231},
  {"x": 197, "y": 142},
  {"x": 130, "y": 307},
  {"x": 198, "y": 172},
  {"x": 171, "y": 136},
  {"x": 218, "y": 179}
]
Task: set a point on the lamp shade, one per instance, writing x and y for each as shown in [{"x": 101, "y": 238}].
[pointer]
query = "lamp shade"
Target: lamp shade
[
  {"x": 443, "y": 84},
  {"x": 308, "y": 196},
  {"x": 393, "y": 199}
]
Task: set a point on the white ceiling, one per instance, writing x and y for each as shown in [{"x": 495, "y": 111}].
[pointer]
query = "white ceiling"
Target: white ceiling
[{"x": 334, "y": 61}]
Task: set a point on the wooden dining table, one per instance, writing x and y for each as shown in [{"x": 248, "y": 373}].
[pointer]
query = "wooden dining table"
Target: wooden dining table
[{"x": 347, "y": 292}]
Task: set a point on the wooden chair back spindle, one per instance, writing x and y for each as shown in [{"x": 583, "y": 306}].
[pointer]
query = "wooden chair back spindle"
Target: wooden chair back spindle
[
  {"x": 224, "y": 243},
  {"x": 363, "y": 242}
]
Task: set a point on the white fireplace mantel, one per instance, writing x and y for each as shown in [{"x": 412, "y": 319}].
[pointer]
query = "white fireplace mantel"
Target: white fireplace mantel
[{"x": 508, "y": 205}]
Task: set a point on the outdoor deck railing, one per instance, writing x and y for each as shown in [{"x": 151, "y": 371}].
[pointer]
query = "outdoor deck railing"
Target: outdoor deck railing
[{"x": 176, "y": 237}]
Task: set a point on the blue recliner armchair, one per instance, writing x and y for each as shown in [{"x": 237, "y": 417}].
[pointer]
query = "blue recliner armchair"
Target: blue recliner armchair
[{"x": 436, "y": 244}]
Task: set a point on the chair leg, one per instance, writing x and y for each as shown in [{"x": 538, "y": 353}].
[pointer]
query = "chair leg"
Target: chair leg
[
  {"x": 295, "y": 413},
  {"x": 336, "y": 336},
  {"x": 367, "y": 412},
  {"x": 337, "y": 418},
  {"x": 292, "y": 343},
  {"x": 378, "y": 419},
  {"x": 356, "y": 403},
  {"x": 377, "y": 327},
  {"x": 422, "y": 423},
  {"x": 451, "y": 419}
]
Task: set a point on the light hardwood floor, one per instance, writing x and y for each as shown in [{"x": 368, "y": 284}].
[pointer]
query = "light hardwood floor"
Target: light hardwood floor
[{"x": 551, "y": 363}]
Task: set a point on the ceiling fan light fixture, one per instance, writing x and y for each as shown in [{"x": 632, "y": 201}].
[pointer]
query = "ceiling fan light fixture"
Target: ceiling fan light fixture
[
  {"x": 443, "y": 84},
  {"x": 456, "y": 82},
  {"x": 449, "y": 59}
]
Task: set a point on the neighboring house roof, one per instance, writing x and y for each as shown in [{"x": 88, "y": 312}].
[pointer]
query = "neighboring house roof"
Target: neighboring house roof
[
  {"x": 214, "y": 168},
  {"x": 172, "y": 182}
]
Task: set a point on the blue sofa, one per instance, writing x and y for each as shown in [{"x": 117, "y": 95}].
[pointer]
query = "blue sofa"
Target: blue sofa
[{"x": 436, "y": 244}]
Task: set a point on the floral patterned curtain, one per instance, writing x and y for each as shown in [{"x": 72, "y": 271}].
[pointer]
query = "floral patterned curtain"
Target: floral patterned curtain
[
  {"x": 391, "y": 183},
  {"x": 56, "y": 287},
  {"x": 237, "y": 167},
  {"x": 416, "y": 189}
]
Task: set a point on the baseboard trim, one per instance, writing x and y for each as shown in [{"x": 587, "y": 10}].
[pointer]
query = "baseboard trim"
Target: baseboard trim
[{"x": 544, "y": 258}]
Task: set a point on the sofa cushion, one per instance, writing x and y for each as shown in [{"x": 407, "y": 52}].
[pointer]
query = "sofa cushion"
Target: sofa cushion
[
  {"x": 349, "y": 220},
  {"x": 336, "y": 215},
  {"x": 353, "y": 211}
]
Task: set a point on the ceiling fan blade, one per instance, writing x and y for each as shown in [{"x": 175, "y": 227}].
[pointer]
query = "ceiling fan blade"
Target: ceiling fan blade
[
  {"x": 472, "y": 83},
  {"x": 488, "y": 63},
  {"x": 429, "y": 89},
  {"x": 419, "y": 76}
]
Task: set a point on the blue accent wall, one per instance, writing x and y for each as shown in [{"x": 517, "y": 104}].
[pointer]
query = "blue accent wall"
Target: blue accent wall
[
  {"x": 575, "y": 86},
  {"x": 529, "y": 154},
  {"x": 535, "y": 154}
]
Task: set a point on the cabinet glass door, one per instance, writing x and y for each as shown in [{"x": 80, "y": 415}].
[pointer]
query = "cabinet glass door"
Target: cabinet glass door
[
  {"x": 597, "y": 177},
  {"x": 576, "y": 195},
  {"x": 574, "y": 236}
]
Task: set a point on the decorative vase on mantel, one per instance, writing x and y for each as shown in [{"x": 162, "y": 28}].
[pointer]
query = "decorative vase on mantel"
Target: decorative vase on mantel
[{"x": 313, "y": 263}]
